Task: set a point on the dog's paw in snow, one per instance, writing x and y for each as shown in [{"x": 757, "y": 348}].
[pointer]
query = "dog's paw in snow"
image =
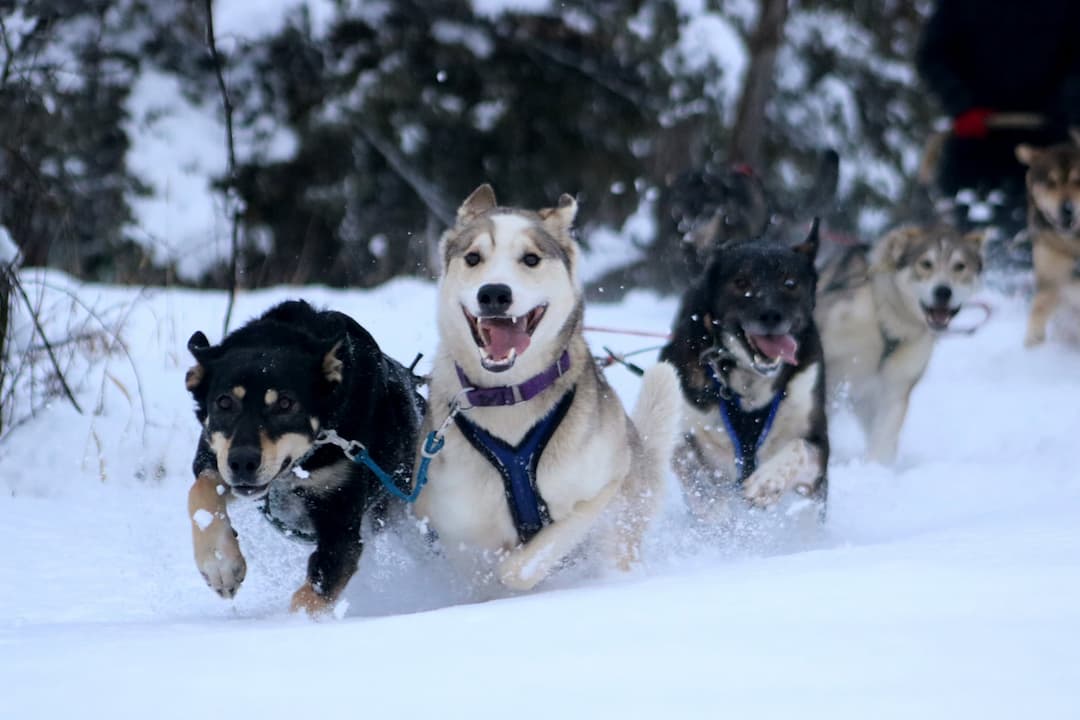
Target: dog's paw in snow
[
  {"x": 218, "y": 556},
  {"x": 795, "y": 467}
]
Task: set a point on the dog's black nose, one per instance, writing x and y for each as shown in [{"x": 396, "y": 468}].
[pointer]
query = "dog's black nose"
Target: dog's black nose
[
  {"x": 769, "y": 319},
  {"x": 1068, "y": 213},
  {"x": 942, "y": 295},
  {"x": 244, "y": 462},
  {"x": 494, "y": 299}
]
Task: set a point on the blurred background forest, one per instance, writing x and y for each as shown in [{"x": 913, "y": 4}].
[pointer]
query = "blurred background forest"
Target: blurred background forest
[{"x": 360, "y": 125}]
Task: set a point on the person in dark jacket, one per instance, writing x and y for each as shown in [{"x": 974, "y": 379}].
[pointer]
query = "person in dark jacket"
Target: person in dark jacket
[{"x": 1006, "y": 72}]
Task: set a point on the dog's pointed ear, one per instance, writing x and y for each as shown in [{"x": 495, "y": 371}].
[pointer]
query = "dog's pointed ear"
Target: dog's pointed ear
[
  {"x": 480, "y": 201},
  {"x": 976, "y": 238},
  {"x": 200, "y": 348},
  {"x": 332, "y": 365},
  {"x": 889, "y": 250},
  {"x": 559, "y": 219},
  {"x": 1026, "y": 154},
  {"x": 809, "y": 246}
]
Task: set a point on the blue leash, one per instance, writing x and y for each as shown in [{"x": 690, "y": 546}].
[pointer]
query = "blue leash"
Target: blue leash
[{"x": 358, "y": 453}]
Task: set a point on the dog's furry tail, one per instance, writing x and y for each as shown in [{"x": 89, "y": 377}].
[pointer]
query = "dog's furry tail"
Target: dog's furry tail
[{"x": 657, "y": 412}]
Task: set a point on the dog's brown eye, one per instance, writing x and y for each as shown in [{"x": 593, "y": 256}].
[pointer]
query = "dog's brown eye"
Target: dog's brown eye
[
  {"x": 959, "y": 267},
  {"x": 741, "y": 284},
  {"x": 790, "y": 283},
  {"x": 531, "y": 259},
  {"x": 926, "y": 264},
  {"x": 225, "y": 402},
  {"x": 472, "y": 259}
]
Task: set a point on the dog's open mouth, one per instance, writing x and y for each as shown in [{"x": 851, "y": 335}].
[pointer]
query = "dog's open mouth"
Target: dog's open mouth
[
  {"x": 252, "y": 492},
  {"x": 938, "y": 317},
  {"x": 771, "y": 351},
  {"x": 501, "y": 338}
]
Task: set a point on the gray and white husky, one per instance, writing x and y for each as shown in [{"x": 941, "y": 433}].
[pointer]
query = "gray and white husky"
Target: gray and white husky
[
  {"x": 544, "y": 453},
  {"x": 880, "y": 311}
]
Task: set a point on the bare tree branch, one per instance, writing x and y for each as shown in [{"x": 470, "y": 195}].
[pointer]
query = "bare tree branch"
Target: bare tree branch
[
  {"x": 231, "y": 200},
  {"x": 747, "y": 134},
  {"x": 14, "y": 280},
  {"x": 426, "y": 191}
]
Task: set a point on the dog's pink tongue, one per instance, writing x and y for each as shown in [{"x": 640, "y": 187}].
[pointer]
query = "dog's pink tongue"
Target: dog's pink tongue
[
  {"x": 784, "y": 347},
  {"x": 504, "y": 334}
]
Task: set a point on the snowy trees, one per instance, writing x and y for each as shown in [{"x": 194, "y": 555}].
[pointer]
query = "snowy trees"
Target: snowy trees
[{"x": 381, "y": 116}]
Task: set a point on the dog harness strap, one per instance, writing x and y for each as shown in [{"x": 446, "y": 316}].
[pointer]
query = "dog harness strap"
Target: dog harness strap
[
  {"x": 747, "y": 429},
  {"x": 517, "y": 465},
  {"x": 513, "y": 394}
]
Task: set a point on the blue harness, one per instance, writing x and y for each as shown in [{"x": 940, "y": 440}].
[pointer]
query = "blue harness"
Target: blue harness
[
  {"x": 517, "y": 465},
  {"x": 747, "y": 429}
]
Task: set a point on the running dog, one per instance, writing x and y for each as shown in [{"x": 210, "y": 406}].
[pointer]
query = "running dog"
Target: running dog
[
  {"x": 1053, "y": 184},
  {"x": 262, "y": 397},
  {"x": 750, "y": 363},
  {"x": 544, "y": 453},
  {"x": 880, "y": 311}
]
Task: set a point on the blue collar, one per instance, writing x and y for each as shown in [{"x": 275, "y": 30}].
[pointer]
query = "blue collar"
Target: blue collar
[{"x": 517, "y": 465}]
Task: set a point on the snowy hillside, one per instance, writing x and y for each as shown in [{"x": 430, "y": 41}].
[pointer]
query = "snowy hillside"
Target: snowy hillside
[{"x": 945, "y": 587}]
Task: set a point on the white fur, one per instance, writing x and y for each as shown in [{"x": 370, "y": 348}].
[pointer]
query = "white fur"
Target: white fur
[{"x": 595, "y": 466}]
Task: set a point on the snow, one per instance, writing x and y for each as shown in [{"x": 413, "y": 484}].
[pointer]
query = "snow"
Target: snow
[
  {"x": 9, "y": 251},
  {"x": 202, "y": 518},
  {"x": 942, "y": 587},
  {"x": 709, "y": 40},
  {"x": 177, "y": 147},
  {"x": 495, "y": 8}
]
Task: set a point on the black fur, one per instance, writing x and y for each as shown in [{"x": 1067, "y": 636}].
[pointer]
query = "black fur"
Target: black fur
[
  {"x": 374, "y": 401},
  {"x": 743, "y": 283}
]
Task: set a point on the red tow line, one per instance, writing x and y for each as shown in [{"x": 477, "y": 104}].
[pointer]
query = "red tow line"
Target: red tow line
[{"x": 619, "y": 331}]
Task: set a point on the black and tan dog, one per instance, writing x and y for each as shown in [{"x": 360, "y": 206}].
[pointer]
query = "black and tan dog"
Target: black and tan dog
[
  {"x": 750, "y": 364},
  {"x": 1053, "y": 183},
  {"x": 262, "y": 397}
]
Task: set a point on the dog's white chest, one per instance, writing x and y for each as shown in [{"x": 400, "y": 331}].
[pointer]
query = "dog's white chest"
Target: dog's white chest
[{"x": 467, "y": 500}]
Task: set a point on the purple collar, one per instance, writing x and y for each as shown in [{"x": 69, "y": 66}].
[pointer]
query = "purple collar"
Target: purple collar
[{"x": 513, "y": 394}]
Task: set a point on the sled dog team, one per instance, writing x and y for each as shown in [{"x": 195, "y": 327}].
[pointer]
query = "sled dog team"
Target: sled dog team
[{"x": 521, "y": 458}]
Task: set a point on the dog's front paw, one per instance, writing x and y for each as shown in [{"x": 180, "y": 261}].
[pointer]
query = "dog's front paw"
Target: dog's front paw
[
  {"x": 794, "y": 468},
  {"x": 221, "y": 563},
  {"x": 1034, "y": 337},
  {"x": 308, "y": 600}
]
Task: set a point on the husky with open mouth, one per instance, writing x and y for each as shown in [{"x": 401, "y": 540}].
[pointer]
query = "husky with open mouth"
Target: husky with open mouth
[
  {"x": 749, "y": 359},
  {"x": 880, "y": 311},
  {"x": 1053, "y": 183},
  {"x": 542, "y": 451}
]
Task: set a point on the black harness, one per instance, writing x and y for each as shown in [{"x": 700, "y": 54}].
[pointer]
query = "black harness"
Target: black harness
[{"x": 517, "y": 465}]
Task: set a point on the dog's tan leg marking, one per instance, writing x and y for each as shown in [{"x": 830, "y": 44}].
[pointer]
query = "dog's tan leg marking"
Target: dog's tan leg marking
[
  {"x": 795, "y": 467},
  {"x": 1052, "y": 271},
  {"x": 217, "y": 553},
  {"x": 527, "y": 565},
  {"x": 308, "y": 601}
]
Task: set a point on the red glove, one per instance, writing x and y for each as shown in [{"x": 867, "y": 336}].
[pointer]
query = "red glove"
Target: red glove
[{"x": 972, "y": 123}]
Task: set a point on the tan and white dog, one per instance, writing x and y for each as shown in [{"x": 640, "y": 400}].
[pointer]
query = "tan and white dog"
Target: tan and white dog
[
  {"x": 880, "y": 311},
  {"x": 544, "y": 454},
  {"x": 1053, "y": 184}
]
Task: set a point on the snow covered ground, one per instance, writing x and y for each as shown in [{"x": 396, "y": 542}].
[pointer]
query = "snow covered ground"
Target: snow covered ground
[{"x": 946, "y": 586}]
